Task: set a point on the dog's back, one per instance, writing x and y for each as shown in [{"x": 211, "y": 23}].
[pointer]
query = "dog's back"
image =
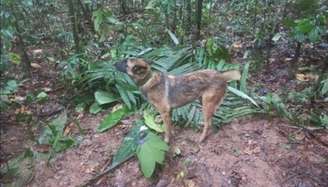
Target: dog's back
[{"x": 188, "y": 87}]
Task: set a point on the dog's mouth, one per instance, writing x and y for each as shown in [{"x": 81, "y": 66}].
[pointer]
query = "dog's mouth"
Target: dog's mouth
[{"x": 121, "y": 66}]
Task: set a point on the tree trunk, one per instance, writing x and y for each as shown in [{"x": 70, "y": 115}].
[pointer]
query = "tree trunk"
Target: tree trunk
[
  {"x": 21, "y": 45},
  {"x": 174, "y": 22},
  {"x": 188, "y": 17},
  {"x": 199, "y": 18},
  {"x": 87, "y": 16},
  {"x": 74, "y": 23},
  {"x": 124, "y": 7}
]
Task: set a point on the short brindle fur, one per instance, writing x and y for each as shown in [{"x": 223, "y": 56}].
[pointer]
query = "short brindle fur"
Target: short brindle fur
[{"x": 166, "y": 92}]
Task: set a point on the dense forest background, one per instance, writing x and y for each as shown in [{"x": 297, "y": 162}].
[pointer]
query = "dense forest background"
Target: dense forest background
[{"x": 68, "y": 117}]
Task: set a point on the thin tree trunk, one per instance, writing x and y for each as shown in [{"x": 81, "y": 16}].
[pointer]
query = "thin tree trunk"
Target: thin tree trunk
[
  {"x": 74, "y": 23},
  {"x": 174, "y": 22},
  {"x": 124, "y": 7},
  {"x": 199, "y": 18},
  {"x": 188, "y": 19},
  {"x": 21, "y": 45},
  {"x": 87, "y": 16},
  {"x": 297, "y": 51}
]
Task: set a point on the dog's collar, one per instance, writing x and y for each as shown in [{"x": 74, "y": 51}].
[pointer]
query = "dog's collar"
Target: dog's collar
[{"x": 145, "y": 80}]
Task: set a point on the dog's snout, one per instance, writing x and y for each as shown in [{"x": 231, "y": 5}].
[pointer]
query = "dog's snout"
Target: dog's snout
[{"x": 121, "y": 66}]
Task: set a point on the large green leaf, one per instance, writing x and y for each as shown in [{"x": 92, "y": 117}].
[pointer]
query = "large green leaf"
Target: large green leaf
[
  {"x": 129, "y": 145},
  {"x": 149, "y": 153},
  {"x": 113, "y": 118},
  {"x": 242, "y": 94},
  {"x": 53, "y": 134},
  {"x": 150, "y": 122},
  {"x": 103, "y": 97},
  {"x": 244, "y": 76},
  {"x": 11, "y": 87},
  {"x": 63, "y": 143},
  {"x": 173, "y": 37},
  {"x": 95, "y": 108}
]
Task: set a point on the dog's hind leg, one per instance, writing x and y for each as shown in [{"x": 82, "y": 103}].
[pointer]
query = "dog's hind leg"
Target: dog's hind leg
[{"x": 211, "y": 99}]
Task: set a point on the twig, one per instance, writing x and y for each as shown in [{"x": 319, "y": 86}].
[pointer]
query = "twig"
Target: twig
[{"x": 105, "y": 172}]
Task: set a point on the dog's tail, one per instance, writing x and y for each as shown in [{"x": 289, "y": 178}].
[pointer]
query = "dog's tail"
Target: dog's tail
[{"x": 230, "y": 75}]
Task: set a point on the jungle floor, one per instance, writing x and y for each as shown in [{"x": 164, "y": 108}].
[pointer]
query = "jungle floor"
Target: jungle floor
[{"x": 256, "y": 151}]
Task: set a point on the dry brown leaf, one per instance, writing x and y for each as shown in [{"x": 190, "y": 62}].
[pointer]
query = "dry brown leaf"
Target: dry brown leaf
[
  {"x": 69, "y": 128},
  {"x": 307, "y": 77},
  {"x": 237, "y": 45},
  {"x": 41, "y": 148},
  {"x": 189, "y": 183},
  {"x": 251, "y": 151},
  {"x": 35, "y": 66}
]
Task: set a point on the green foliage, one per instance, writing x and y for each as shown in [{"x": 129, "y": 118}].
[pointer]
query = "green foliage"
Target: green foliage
[
  {"x": 244, "y": 77},
  {"x": 147, "y": 146},
  {"x": 53, "y": 134},
  {"x": 151, "y": 123},
  {"x": 104, "y": 22},
  {"x": 274, "y": 103},
  {"x": 216, "y": 52},
  {"x": 95, "y": 108},
  {"x": 10, "y": 87},
  {"x": 150, "y": 152},
  {"x": 308, "y": 23},
  {"x": 303, "y": 96},
  {"x": 113, "y": 118},
  {"x": 103, "y": 97},
  {"x": 42, "y": 96},
  {"x": 242, "y": 95},
  {"x": 129, "y": 145},
  {"x": 18, "y": 171},
  {"x": 308, "y": 29},
  {"x": 323, "y": 87}
]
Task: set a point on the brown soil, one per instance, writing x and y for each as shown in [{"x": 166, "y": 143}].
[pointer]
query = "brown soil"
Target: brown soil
[{"x": 244, "y": 153}]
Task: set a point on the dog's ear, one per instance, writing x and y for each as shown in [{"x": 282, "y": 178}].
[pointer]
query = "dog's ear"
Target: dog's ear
[{"x": 139, "y": 69}]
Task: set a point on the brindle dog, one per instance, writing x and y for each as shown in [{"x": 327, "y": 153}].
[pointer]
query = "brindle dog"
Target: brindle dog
[{"x": 166, "y": 92}]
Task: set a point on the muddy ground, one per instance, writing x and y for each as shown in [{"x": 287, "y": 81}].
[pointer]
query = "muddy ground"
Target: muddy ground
[{"x": 253, "y": 152}]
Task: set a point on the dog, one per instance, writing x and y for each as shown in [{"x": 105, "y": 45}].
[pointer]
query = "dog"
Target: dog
[{"x": 166, "y": 92}]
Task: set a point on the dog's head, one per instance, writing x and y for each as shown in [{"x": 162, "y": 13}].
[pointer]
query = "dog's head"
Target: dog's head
[{"x": 138, "y": 69}]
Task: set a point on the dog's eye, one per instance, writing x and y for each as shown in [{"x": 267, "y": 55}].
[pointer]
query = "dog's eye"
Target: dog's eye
[{"x": 135, "y": 68}]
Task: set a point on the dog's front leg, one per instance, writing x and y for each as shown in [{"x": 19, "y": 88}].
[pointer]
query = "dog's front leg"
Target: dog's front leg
[{"x": 166, "y": 116}]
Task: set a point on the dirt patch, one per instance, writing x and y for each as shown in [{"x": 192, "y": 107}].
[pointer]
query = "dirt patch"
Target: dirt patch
[{"x": 244, "y": 153}]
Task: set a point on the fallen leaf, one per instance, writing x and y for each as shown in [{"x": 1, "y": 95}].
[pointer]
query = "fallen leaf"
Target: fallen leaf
[
  {"x": 251, "y": 151},
  {"x": 69, "y": 128},
  {"x": 307, "y": 77},
  {"x": 180, "y": 175},
  {"x": 288, "y": 59},
  {"x": 189, "y": 183},
  {"x": 41, "y": 148},
  {"x": 237, "y": 45},
  {"x": 47, "y": 89},
  {"x": 299, "y": 136},
  {"x": 35, "y": 66},
  {"x": 37, "y": 51}
]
